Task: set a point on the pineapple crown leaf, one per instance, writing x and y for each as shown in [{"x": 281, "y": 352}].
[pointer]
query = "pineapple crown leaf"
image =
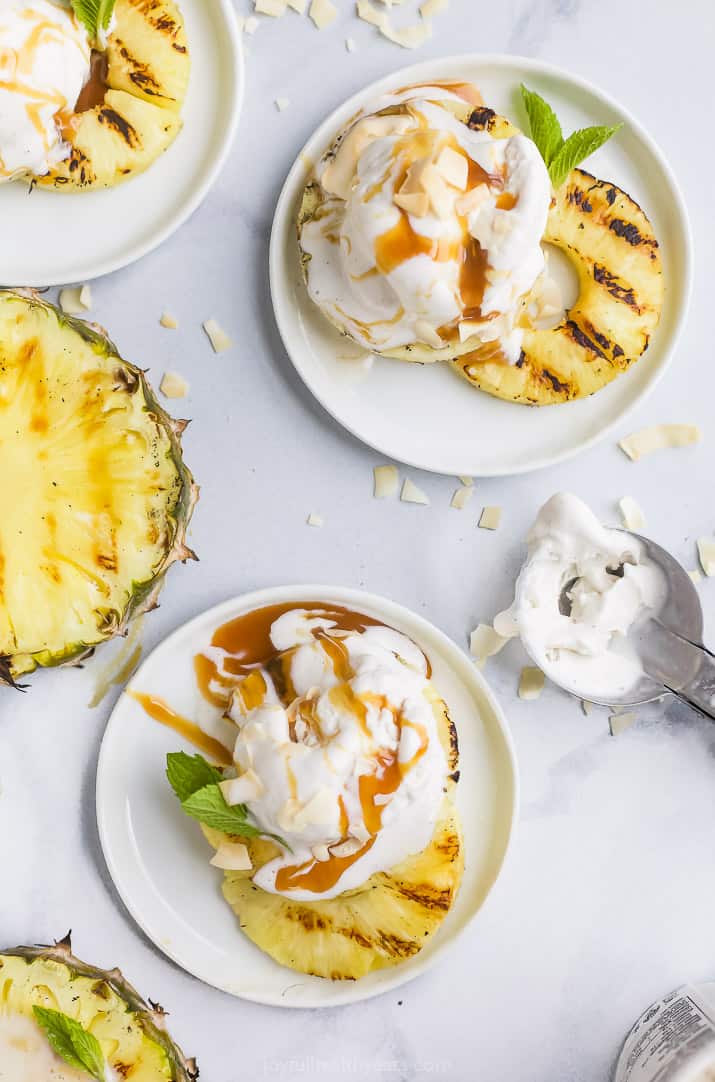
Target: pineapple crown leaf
[
  {"x": 95, "y": 16},
  {"x": 196, "y": 783},
  {"x": 72, "y": 1042},
  {"x": 561, "y": 155}
]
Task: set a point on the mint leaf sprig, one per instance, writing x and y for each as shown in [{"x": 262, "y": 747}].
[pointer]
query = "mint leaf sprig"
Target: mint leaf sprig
[
  {"x": 72, "y": 1042},
  {"x": 196, "y": 784},
  {"x": 561, "y": 155},
  {"x": 95, "y": 16}
]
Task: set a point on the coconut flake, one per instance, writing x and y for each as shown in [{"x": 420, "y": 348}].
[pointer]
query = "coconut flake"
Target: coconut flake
[
  {"x": 531, "y": 683},
  {"x": 282, "y": 104},
  {"x": 430, "y": 8},
  {"x": 657, "y": 437},
  {"x": 468, "y": 328},
  {"x": 370, "y": 14},
  {"x": 696, "y": 575},
  {"x": 251, "y": 24},
  {"x": 618, "y": 722},
  {"x": 471, "y": 200},
  {"x": 232, "y": 857},
  {"x": 416, "y": 203},
  {"x": 350, "y": 45},
  {"x": 632, "y": 514},
  {"x": 240, "y": 790},
  {"x": 323, "y": 13},
  {"x": 465, "y": 480},
  {"x": 298, "y": 5},
  {"x": 75, "y": 299},
  {"x": 425, "y": 332},
  {"x": 454, "y": 167},
  {"x": 586, "y": 707},
  {"x": 461, "y": 497},
  {"x": 275, "y": 8},
  {"x": 412, "y": 494},
  {"x": 173, "y": 385},
  {"x": 217, "y": 336},
  {"x": 386, "y": 481},
  {"x": 490, "y": 518},
  {"x": 706, "y": 555},
  {"x": 314, "y": 519},
  {"x": 484, "y": 642},
  {"x": 167, "y": 320},
  {"x": 409, "y": 37}
]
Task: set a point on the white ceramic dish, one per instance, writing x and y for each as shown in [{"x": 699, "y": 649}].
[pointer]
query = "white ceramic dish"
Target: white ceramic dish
[
  {"x": 159, "y": 860},
  {"x": 427, "y": 416},
  {"x": 52, "y": 238}
]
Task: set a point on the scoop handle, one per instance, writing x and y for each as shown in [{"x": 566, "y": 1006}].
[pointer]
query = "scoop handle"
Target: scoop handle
[{"x": 699, "y": 692}]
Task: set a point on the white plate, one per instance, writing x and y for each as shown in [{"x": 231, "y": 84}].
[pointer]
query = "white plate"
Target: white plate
[
  {"x": 52, "y": 238},
  {"x": 159, "y": 860},
  {"x": 427, "y": 416}
]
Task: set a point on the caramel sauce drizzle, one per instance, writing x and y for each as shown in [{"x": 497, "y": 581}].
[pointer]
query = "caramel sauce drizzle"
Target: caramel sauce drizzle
[{"x": 160, "y": 711}]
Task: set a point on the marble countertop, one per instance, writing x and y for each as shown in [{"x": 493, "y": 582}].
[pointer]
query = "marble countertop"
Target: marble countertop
[{"x": 608, "y": 898}]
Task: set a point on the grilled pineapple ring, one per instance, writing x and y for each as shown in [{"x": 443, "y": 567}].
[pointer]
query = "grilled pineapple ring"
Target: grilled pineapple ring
[
  {"x": 147, "y": 76},
  {"x": 131, "y": 1032},
  {"x": 382, "y": 923},
  {"x": 612, "y": 246},
  {"x": 96, "y": 494}
]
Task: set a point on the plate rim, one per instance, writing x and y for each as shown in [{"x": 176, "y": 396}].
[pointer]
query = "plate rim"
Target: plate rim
[
  {"x": 281, "y": 299},
  {"x": 352, "y": 992},
  {"x": 234, "y": 104}
]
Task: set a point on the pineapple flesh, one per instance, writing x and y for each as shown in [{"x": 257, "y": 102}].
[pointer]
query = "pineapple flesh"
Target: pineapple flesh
[
  {"x": 387, "y": 920},
  {"x": 131, "y": 1032},
  {"x": 97, "y": 496},
  {"x": 147, "y": 74}
]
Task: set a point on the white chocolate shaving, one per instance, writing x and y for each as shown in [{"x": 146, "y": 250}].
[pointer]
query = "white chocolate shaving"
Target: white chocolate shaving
[
  {"x": 412, "y": 494},
  {"x": 706, "y": 555},
  {"x": 657, "y": 437},
  {"x": 531, "y": 683},
  {"x": 315, "y": 520},
  {"x": 462, "y": 496},
  {"x": 173, "y": 385},
  {"x": 386, "y": 481},
  {"x": 632, "y": 514},
  {"x": 217, "y": 336},
  {"x": 323, "y": 13},
  {"x": 490, "y": 518}
]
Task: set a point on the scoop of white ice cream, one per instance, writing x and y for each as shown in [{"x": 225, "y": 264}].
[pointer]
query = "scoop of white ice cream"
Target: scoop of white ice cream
[{"x": 582, "y": 588}]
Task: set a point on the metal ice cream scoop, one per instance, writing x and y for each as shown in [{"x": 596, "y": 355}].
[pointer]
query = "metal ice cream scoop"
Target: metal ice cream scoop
[{"x": 669, "y": 644}]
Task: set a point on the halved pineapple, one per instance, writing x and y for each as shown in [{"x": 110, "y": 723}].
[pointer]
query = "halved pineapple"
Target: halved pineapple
[
  {"x": 147, "y": 75},
  {"x": 611, "y": 244},
  {"x": 97, "y": 494},
  {"x": 388, "y": 919},
  {"x": 131, "y": 1032}
]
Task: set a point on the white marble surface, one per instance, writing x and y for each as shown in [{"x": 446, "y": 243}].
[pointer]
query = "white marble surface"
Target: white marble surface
[{"x": 609, "y": 896}]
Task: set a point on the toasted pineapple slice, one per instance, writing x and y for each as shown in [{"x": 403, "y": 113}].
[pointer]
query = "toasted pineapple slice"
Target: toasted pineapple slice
[
  {"x": 611, "y": 244},
  {"x": 383, "y": 922},
  {"x": 131, "y": 1033},
  {"x": 147, "y": 75},
  {"x": 97, "y": 495}
]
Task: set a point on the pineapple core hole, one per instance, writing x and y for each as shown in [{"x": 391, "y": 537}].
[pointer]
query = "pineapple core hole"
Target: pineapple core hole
[{"x": 561, "y": 286}]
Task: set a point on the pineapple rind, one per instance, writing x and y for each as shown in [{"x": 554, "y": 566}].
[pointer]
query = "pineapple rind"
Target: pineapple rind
[
  {"x": 26, "y": 319},
  {"x": 131, "y": 1031}
]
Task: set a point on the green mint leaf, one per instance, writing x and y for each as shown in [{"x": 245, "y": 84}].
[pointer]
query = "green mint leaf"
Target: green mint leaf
[
  {"x": 543, "y": 124},
  {"x": 95, "y": 15},
  {"x": 209, "y": 806},
  {"x": 189, "y": 773},
  {"x": 72, "y": 1042},
  {"x": 578, "y": 146}
]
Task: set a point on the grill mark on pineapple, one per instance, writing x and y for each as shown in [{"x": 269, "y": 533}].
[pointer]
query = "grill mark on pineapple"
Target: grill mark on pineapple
[
  {"x": 482, "y": 119},
  {"x": 426, "y": 896},
  {"x": 617, "y": 289},
  {"x": 395, "y": 946},
  {"x": 583, "y": 340},
  {"x": 630, "y": 232},
  {"x": 577, "y": 197},
  {"x": 110, "y": 118},
  {"x": 140, "y": 73}
]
